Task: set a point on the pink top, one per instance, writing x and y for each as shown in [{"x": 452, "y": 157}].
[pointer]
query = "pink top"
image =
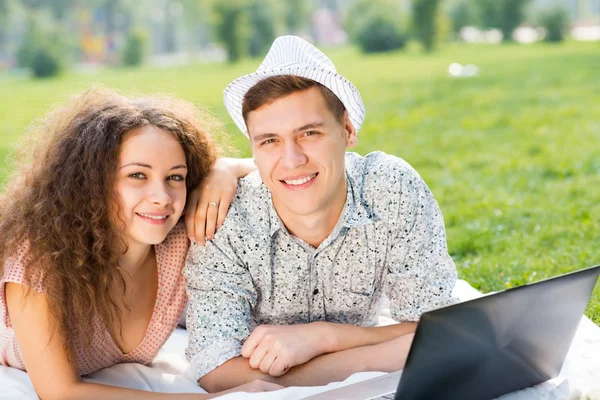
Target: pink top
[{"x": 104, "y": 352}]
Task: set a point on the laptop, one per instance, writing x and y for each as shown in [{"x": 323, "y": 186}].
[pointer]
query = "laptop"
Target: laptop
[{"x": 487, "y": 347}]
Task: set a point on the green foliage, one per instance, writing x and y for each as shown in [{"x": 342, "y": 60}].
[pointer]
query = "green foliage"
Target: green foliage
[
  {"x": 29, "y": 44},
  {"x": 45, "y": 52},
  {"x": 296, "y": 15},
  {"x": 262, "y": 27},
  {"x": 505, "y": 15},
  {"x": 380, "y": 34},
  {"x": 375, "y": 26},
  {"x": 443, "y": 26},
  {"x": 44, "y": 63},
  {"x": 231, "y": 27},
  {"x": 556, "y": 22},
  {"x": 135, "y": 47},
  {"x": 424, "y": 13},
  {"x": 461, "y": 15}
]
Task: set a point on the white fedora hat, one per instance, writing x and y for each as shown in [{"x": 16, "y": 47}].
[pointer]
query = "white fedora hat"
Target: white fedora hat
[{"x": 291, "y": 55}]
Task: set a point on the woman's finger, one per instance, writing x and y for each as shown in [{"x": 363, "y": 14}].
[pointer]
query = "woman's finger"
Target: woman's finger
[
  {"x": 224, "y": 208},
  {"x": 200, "y": 222},
  {"x": 190, "y": 212},
  {"x": 211, "y": 219}
]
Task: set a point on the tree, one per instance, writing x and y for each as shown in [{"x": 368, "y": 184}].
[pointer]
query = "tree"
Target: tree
[
  {"x": 375, "y": 25},
  {"x": 4, "y": 19},
  {"x": 556, "y": 22},
  {"x": 262, "y": 27},
  {"x": 43, "y": 50},
  {"x": 296, "y": 15},
  {"x": 505, "y": 15},
  {"x": 461, "y": 15},
  {"x": 134, "y": 51},
  {"x": 424, "y": 22},
  {"x": 231, "y": 27}
]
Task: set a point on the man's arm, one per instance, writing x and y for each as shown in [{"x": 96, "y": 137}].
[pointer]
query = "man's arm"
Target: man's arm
[
  {"x": 421, "y": 275},
  {"x": 221, "y": 297},
  {"x": 319, "y": 371},
  {"x": 274, "y": 349}
]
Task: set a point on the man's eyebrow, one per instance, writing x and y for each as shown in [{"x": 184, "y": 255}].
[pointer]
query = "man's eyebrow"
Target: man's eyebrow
[
  {"x": 264, "y": 136},
  {"x": 150, "y": 167},
  {"x": 312, "y": 125}
]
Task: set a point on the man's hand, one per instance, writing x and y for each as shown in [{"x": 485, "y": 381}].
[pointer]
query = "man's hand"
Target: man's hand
[
  {"x": 380, "y": 359},
  {"x": 208, "y": 204},
  {"x": 274, "y": 349},
  {"x": 257, "y": 386}
]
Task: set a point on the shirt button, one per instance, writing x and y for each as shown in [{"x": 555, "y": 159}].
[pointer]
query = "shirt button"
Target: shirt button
[{"x": 316, "y": 292}]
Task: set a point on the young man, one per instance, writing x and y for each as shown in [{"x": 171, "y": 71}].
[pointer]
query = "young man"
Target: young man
[{"x": 289, "y": 288}]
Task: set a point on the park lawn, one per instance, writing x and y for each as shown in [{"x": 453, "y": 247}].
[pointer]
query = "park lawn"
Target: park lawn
[{"x": 512, "y": 155}]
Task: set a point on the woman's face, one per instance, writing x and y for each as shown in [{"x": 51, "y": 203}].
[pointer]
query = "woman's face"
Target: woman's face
[{"x": 150, "y": 184}]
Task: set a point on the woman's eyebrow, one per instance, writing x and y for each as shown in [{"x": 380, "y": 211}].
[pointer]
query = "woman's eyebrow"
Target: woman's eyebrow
[
  {"x": 137, "y": 164},
  {"x": 182, "y": 166}
]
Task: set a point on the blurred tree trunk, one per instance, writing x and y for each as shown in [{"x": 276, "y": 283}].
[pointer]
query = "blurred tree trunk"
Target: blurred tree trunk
[
  {"x": 262, "y": 26},
  {"x": 296, "y": 14},
  {"x": 4, "y": 18},
  {"x": 424, "y": 22},
  {"x": 231, "y": 27},
  {"x": 170, "y": 26}
]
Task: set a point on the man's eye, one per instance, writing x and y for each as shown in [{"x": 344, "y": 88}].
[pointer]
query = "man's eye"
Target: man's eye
[
  {"x": 311, "y": 133},
  {"x": 177, "y": 178},
  {"x": 137, "y": 175},
  {"x": 268, "y": 141}
]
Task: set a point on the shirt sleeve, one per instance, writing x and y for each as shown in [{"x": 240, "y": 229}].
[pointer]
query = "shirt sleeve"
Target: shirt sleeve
[
  {"x": 221, "y": 299},
  {"x": 421, "y": 275}
]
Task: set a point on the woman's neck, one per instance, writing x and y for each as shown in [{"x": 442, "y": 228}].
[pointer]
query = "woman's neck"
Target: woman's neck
[{"x": 136, "y": 258}]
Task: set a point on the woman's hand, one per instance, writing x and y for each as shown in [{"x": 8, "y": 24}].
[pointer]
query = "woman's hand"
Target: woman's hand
[{"x": 208, "y": 204}]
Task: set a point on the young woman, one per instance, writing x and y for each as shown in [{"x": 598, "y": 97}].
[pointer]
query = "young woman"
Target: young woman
[{"x": 92, "y": 245}]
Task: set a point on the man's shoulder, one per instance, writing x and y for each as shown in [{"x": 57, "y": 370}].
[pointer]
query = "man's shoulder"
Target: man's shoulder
[
  {"x": 250, "y": 188},
  {"x": 251, "y": 203},
  {"x": 379, "y": 171}
]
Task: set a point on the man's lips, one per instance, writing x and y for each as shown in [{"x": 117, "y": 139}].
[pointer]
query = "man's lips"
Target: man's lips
[{"x": 299, "y": 182}]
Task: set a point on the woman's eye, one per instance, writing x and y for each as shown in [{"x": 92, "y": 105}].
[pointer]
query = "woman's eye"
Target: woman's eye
[
  {"x": 177, "y": 178},
  {"x": 137, "y": 175}
]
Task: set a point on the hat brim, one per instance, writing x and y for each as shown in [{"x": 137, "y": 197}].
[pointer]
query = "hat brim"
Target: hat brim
[{"x": 234, "y": 93}]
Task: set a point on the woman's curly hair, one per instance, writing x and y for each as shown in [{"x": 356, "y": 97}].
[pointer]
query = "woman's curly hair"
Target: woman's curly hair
[{"x": 57, "y": 204}]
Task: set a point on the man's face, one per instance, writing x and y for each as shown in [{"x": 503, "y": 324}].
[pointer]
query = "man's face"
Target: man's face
[{"x": 299, "y": 146}]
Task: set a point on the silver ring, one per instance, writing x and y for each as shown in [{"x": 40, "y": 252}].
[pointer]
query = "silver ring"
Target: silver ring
[{"x": 212, "y": 203}]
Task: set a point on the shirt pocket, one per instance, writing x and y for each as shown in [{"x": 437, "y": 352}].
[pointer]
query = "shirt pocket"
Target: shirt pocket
[{"x": 361, "y": 269}]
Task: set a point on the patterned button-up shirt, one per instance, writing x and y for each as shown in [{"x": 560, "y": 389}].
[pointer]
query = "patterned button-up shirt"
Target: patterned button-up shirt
[{"x": 389, "y": 240}]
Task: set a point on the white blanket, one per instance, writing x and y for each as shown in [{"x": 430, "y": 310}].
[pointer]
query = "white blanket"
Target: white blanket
[{"x": 170, "y": 373}]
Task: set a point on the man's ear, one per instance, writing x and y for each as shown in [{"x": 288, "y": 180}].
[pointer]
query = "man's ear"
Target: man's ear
[{"x": 349, "y": 132}]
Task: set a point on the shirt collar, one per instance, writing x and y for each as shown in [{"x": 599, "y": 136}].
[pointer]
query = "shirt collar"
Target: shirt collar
[{"x": 355, "y": 212}]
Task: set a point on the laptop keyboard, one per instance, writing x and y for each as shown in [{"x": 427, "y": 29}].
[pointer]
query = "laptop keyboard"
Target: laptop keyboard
[{"x": 390, "y": 396}]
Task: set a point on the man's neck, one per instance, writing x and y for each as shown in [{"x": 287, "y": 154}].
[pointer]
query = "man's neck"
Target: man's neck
[{"x": 316, "y": 227}]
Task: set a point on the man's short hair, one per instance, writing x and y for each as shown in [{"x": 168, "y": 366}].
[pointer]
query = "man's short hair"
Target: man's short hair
[{"x": 276, "y": 87}]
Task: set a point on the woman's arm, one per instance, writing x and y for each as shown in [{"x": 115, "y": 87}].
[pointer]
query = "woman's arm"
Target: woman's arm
[
  {"x": 208, "y": 204},
  {"x": 48, "y": 366}
]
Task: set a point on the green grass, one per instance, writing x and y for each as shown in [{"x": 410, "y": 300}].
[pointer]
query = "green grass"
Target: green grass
[{"x": 512, "y": 155}]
